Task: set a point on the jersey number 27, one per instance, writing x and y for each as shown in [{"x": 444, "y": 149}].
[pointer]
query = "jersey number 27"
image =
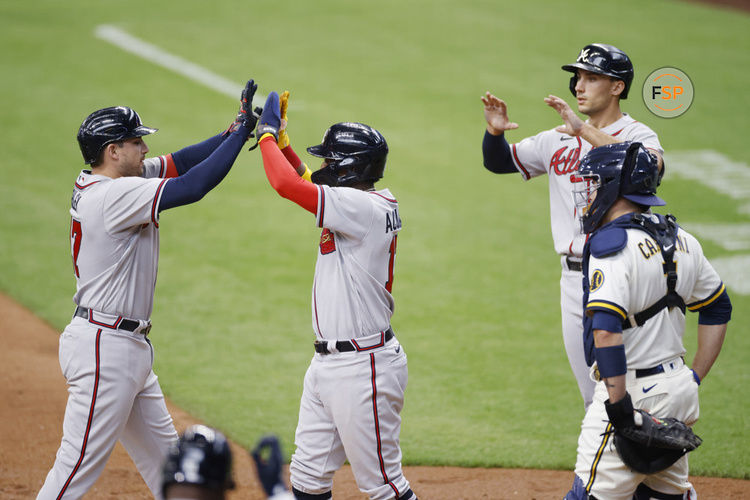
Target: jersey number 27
[{"x": 76, "y": 235}]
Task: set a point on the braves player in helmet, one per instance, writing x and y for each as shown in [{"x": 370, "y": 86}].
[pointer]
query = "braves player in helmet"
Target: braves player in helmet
[
  {"x": 354, "y": 388},
  {"x": 602, "y": 76},
  {"x": 641, "y": 272},
  {"x": 105, "y": 353},
  {"x": 198, "y": 466}
]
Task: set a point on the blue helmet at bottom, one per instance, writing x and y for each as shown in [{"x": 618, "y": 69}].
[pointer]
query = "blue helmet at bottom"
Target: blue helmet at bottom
[
  {"x": 625, "y": 169},
  {"x": 201, "y": 457}
]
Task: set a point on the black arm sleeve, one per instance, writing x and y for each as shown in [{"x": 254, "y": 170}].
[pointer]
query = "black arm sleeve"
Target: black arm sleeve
[
  {"x": 190, "y": 156},
  {"x": 718, "y": 312},
  {"x": 496, "y": 152},
  {"x": 199, "y": 180}
]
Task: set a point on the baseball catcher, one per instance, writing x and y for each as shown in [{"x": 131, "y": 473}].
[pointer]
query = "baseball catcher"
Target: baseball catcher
[{"x": 641, "y": 272}]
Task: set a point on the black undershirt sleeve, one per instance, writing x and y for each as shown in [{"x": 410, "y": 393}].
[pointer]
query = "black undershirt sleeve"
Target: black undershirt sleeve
[{"x": 496, "y": 153}]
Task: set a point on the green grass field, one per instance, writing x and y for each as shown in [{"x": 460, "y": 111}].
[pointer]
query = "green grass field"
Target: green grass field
[{"x": 477, "y": 280}]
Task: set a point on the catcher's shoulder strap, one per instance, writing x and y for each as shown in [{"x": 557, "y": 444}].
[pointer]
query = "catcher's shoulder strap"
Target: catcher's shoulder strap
[{"x": 664, "y": 231}]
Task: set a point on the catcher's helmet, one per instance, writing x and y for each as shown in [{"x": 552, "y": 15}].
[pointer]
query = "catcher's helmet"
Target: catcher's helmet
[
  {"x": 605, "y": 60},
  {"x": 201, "y": 457},
  {"x": 108, "y": 125},
  {"x": 357, "y": 153},
  {"x": 624, "y": 169}
]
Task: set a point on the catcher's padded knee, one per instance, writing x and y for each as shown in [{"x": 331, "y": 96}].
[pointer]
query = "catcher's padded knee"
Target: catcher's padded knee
[
  {"x": 643, "y": 492},
  {"x": 300, "y": 495}
]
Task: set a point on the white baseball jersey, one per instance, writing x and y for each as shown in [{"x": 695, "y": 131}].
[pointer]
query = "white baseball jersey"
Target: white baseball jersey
[
  {"x": 351, "y": 294},
  {"x": 113, "y": 391},
  {"x": 627, "y": 283},
  {"x": 558, "y": 155},
  {"x": 633, "y": 279},
  {"x": 114, "y": 238}
]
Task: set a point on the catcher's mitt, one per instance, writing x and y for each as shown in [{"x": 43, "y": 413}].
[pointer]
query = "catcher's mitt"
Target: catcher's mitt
[{"x": 645, "y": 443}]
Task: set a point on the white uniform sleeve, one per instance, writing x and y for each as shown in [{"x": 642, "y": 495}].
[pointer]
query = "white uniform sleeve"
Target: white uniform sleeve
[
  {"x": 132, "y": 201},
  {"x": 345, "y": 210},
  {"x": 155, "y": 167},
  {"x": 638, "y": 132},
  {"x": 708, "y": 285},
  {"x": 608, "y": 285},
  {"x": 528, "y": 156}
]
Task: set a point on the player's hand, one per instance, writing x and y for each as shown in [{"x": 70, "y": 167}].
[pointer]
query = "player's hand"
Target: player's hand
[
  {"x": 496, "y": 114},
  {"x": 270, "y": 118},
  {"x": 283, "y": 136},
  {"x": 245, "y": 115},
  {"x": 573, "y": 124},
  {"x": 268, "y": 462}
]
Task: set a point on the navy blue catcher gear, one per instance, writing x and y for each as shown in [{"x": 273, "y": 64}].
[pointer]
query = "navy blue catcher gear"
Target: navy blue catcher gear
[
  {"x": 201, "y": 457},
  {"x": 108, "y": 125},
  {"x": 356, "y": 153},
  {"x": 624, "y": 169},
  {"x": 605, "y": 60}
]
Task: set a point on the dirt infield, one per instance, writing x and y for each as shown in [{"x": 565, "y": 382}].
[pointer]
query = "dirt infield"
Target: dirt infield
[{"x": 33, "y": 395}]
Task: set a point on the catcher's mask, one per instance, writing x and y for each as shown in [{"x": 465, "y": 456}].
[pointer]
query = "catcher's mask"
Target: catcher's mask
[
  {"x": 109, "y": 125},
  {"x": 201, "y": 457},
  {"x": 605, "y": 60},
  {"x": 355, "y": 152},
  {"x": 624, "y": 169}
]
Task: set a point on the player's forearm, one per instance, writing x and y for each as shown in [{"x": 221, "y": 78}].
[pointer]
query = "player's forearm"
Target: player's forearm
[
  {"x": 596, "y": 137},
  {"x": 199, "y": 180},
  {"x": 710, "y": 340},
  {"x": 188, "y": 157},
  {"x": 284, "y": 179},
  {"x": 497, "y": 155},
  {"x": 610, "y": 360}
]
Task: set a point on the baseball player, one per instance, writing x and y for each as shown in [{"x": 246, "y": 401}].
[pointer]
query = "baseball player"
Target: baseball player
[
  {"x": 268, "y": 465},
  {"x": 641, "y": 271},
  {"x": 354, "y": 388},
  {"x": 198, "y": 466},
  {"x": 105, "y": 354},
  {"x": 602, "y": 76}
]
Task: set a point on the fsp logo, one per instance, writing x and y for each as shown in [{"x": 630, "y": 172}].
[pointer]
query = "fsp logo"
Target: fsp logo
[
  {"x": 668, "y": 92},
  {"x": 597, "y": 280}
]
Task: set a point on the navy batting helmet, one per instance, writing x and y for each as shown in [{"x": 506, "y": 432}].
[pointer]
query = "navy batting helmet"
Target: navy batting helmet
[
  {"x": 201, "y": 457},
  {"x": 108, "y": 125},
  {"x": 625, "y": 169},
  {"x": 357, "y": 153},
  {"x": 605, "y": 60}
]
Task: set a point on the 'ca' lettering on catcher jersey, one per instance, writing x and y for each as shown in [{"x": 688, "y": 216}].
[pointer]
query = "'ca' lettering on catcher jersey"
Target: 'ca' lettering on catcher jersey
[
  {"x": 351, "y": 294},
  {"x": 114, "y": 239},
  {"x": 660, "y": 338},
  {"x": 558, "y": 155}
]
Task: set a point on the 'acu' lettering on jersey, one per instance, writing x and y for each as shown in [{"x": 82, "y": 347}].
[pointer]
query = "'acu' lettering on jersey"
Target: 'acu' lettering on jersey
[{"x": 392, "y": 221}]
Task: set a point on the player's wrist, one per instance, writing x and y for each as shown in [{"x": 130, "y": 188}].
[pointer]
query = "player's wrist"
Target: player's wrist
[
  {"x": 495, "y": 131},
  {"x": 620, "y": 413}
]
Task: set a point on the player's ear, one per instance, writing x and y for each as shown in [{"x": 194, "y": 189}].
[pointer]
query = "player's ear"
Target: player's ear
[{"x": 618, "y": 87}]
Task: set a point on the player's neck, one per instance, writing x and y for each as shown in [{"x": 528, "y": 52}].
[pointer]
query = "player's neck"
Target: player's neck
[
  {"x": 606, "y": 116},
  {"x": 107, "y": 170},
  {"x": 620, "y": 208}
]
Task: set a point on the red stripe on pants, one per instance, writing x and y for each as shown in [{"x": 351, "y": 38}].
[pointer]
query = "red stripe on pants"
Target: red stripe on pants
[{"x": 88, "y": 423}]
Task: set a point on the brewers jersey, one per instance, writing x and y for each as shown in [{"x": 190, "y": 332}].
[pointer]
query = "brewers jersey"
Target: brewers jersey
[{"x": 631, "y": 280}]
